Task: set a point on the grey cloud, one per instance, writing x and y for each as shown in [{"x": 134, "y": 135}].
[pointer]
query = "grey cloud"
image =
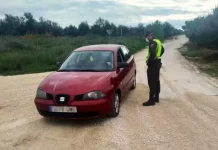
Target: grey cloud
[
  {"x": 73, "y": 12},
  {"x": 177, "y": 23},
  {"x": 164, "y": 11}
]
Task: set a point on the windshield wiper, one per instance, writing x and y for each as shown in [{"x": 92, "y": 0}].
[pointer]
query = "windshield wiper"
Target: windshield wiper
[
  {"x": 67, "y": 70},
  {"x": 92, "y": 70},
  {"x": 71, "y": 70}
]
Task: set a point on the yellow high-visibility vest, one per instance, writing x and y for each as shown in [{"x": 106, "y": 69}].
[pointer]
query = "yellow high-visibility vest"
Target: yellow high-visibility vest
[{"x": 158, "y": 50}]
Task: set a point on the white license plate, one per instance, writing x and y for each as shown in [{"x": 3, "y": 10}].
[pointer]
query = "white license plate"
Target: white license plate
[{"x": 62, "y": 109}]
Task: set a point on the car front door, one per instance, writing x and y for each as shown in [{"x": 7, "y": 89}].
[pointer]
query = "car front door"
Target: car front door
[
  {"x": 121, "y": 72},
  {"x": 128, "y": 58}
]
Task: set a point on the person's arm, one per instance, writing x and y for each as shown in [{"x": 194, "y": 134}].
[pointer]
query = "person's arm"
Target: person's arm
[{"x": 153, "y": 49}]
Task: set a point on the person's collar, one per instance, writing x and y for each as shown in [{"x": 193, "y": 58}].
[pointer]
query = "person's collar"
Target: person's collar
[{"x": 152, "y": 39}]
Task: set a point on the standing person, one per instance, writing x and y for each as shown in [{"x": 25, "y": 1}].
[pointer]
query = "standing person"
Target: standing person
[{"x": 153, "y": 60}]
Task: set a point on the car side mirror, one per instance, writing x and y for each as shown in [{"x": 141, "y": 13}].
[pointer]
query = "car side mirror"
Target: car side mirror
[
  {"x": 122, "y": 65},
  {"x": 58, "y": 64}
]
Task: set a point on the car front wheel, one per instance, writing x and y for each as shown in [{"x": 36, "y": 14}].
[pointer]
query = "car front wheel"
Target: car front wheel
[
  {"x": 115, "y": 107},
  {"x": 134, "y": 82}
]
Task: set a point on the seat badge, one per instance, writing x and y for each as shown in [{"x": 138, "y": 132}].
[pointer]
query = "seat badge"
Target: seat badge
[{"x": 62, "y": 99}]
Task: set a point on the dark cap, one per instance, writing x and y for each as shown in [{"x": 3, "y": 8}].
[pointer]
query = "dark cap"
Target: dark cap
[{"x": 148, "y": 32}]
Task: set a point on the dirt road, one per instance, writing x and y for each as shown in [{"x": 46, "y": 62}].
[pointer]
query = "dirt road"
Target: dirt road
[{"x": 186, "y": 118}]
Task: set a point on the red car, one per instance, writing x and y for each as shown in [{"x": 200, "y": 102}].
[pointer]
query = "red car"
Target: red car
[{"x": 90, "y": 83}]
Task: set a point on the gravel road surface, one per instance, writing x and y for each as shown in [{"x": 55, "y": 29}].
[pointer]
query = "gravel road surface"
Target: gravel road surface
[{"x": 185, "y": 118}]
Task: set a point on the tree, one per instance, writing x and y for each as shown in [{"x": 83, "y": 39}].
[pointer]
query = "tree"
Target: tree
[
  {"x": 30, "y": 23},
  {"x": 100, "y": 26},
  {"x": 96, "y": 29},
  {"x": 14, "y": 25},
  {"x": 114, "y": 28},
  {"x": 168, "y": 30},
  {"x": 56, "y": 29},
  {"x": 140, "y": 30},
  {"x": 123, "y": 30},
  {"x": 10, "y": 25},
  {"x": 71, "y": 31},
  {"x": 157, "y": 29},
  {"x": 203, "y": 30},
  {"x": 83, "y": 28}
]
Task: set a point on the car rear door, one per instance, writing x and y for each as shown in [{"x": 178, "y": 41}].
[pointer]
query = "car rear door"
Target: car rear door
[{"x": 128, "y": 58}]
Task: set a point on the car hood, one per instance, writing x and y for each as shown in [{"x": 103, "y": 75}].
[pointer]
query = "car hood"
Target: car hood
[{"x": 75, "y": 82}]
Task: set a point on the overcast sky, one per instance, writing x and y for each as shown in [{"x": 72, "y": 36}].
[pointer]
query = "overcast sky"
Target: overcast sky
[{"x": 127, "y": 12}]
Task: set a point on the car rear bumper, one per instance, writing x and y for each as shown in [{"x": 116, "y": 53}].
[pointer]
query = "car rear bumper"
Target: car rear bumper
[{"x": 85, "y": 109}]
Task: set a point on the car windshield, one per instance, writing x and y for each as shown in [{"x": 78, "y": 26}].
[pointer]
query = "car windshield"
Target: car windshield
[{"x": 89, "y": 61}]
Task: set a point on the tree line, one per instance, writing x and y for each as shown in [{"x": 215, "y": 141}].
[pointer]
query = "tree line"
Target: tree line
[
  {"x": 203, "y": 31},
  {"x": 27, "y": 24}
]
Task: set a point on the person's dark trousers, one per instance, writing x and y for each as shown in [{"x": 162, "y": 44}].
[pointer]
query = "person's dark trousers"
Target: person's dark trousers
[{"x": 153, "y": 75}]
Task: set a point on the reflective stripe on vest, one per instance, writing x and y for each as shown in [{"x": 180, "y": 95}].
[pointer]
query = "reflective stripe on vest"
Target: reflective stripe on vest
[{"x": 158, "y": 50}]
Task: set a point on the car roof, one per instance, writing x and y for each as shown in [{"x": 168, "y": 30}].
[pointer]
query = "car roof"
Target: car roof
[{"x": 106, "y": 47}]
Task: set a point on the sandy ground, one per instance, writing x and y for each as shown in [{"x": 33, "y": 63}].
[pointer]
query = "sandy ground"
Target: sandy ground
[{"x": 185, "y": 118}]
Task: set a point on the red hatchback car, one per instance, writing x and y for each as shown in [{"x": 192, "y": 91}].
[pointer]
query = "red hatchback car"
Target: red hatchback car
[{"x": 90, "y": 83}]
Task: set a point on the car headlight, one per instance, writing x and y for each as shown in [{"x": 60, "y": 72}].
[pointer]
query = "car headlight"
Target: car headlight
[
  {"x": 43, "y": 95},
  {"x": 93, "y": 95}
]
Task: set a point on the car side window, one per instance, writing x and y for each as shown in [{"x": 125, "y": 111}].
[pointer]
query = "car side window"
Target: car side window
[
  {"x": 126, "y": 53},
  {"x": 119, "y": 56}
]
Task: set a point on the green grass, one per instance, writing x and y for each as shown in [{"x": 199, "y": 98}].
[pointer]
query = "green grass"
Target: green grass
[
  {"x": 213, "y": 71},
  {"x": 37, "y": 53},
  {"x": 206, "y": 60}
]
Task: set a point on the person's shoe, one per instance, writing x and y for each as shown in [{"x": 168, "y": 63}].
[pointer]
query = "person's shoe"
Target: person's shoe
[
  {"x": 156, "y": 100},
  {"x": 149, "y": 103}
]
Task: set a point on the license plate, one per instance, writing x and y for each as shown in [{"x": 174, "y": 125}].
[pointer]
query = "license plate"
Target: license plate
[{"x": 63, "y": 109}]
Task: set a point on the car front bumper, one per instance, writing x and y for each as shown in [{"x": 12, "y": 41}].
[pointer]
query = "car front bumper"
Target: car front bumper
[{"x": 85, "y": 109}]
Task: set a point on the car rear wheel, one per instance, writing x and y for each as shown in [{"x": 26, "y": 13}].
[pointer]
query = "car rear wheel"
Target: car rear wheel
[
  {"x": 115, "y": 109},
  {"x": 134, "y": 82}
]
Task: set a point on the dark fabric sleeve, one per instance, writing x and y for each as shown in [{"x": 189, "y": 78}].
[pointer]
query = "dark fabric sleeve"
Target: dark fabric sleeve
[{"x": 153, "y": 47}]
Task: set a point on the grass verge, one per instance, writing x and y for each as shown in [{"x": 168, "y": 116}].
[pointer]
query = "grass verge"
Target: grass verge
[
  {"x": 37, "y": 53},
  {"x": 206, "y": 60}
]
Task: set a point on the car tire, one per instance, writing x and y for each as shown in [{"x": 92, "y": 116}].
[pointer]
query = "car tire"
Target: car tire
[
  {"x": 134, "y": 83},
  {"x": 115, "y": 106}
]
